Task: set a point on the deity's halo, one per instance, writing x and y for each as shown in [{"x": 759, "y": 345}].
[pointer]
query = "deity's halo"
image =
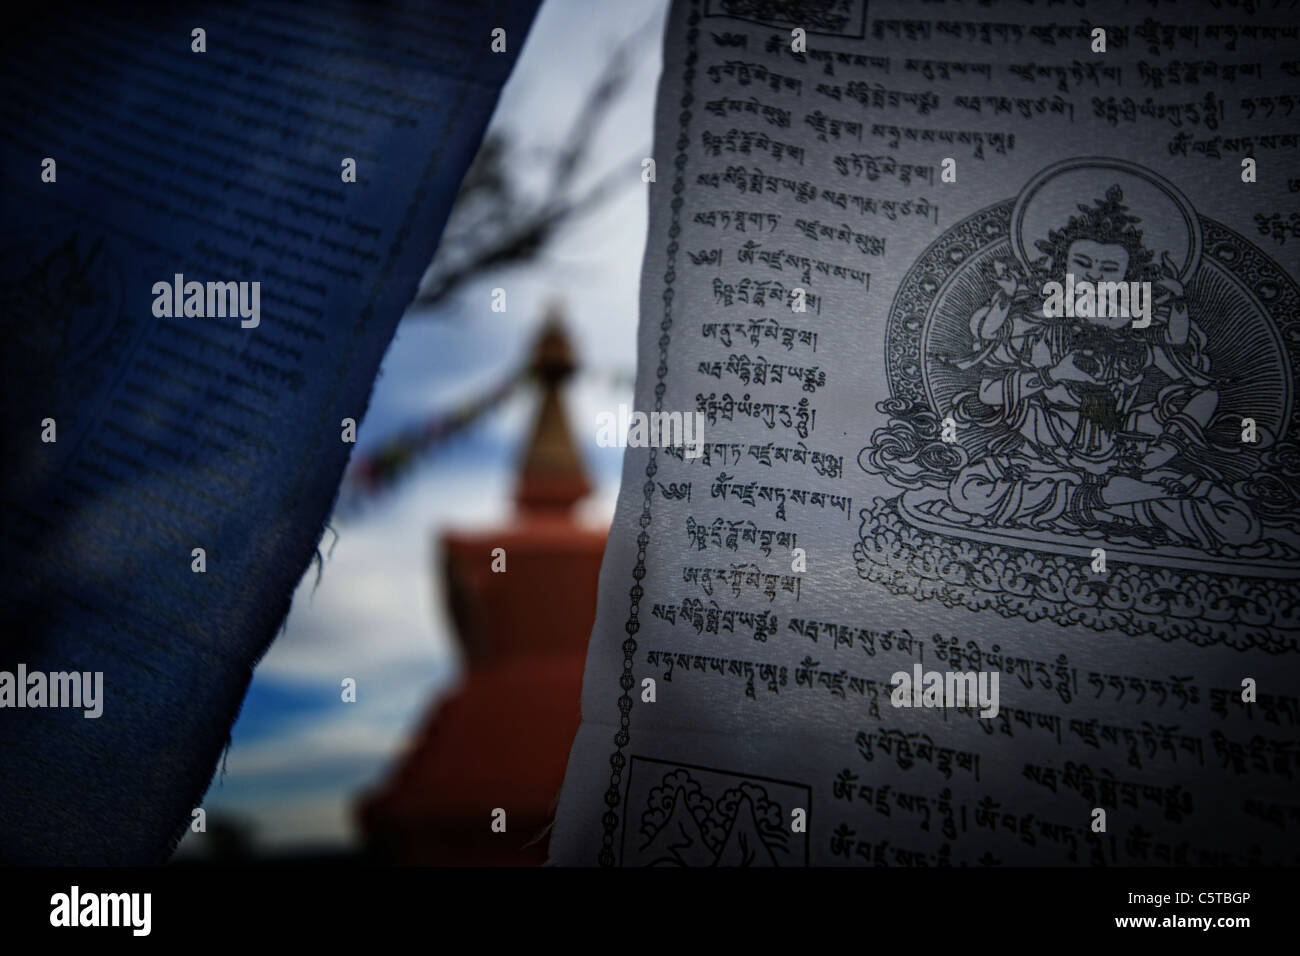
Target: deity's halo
[{"x": 1167, "y": 220}]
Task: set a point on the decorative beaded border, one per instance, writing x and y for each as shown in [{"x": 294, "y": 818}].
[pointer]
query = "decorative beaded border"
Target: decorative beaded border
[{"x": 617, "y": 760}]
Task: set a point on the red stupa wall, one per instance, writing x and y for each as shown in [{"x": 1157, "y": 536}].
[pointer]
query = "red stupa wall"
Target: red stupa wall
[{"x": 502, "y": 739}]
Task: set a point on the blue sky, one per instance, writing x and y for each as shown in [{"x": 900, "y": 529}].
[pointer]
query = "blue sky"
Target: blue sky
[{"x": 299, "y": 755}]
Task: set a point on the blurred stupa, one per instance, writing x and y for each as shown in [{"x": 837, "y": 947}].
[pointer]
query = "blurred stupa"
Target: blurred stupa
[{"x": 502, "y": 739}]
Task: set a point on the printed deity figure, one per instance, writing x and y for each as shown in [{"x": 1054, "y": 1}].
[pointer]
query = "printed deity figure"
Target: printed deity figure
[{"x": 1096, "y": 421}]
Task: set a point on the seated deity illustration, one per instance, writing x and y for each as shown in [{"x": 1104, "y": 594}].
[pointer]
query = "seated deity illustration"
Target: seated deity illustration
[
  {"x": 1159, "y": 432},
  {"x": 1085, "y": 445}
]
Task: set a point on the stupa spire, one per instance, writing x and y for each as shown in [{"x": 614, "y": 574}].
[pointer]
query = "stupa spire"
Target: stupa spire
[{"x": 551, "y": 475}]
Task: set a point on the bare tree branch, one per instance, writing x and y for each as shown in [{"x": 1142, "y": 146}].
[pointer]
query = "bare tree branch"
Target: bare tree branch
[
  {"x": 524, "y": 240},
  {"x": 492, "y": 227}
]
